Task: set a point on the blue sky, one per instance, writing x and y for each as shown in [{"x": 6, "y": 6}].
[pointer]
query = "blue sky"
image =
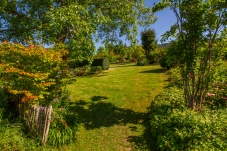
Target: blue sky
[{"x": 166, "y": 18}]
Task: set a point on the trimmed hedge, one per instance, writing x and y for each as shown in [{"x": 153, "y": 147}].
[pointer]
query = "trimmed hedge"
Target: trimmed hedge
[
  {"x": 103, "y": 62},
  {"x": 75, "y": 64}
]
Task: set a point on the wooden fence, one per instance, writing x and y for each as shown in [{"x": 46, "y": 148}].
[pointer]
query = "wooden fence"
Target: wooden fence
[{"x": 38, "y": 120}]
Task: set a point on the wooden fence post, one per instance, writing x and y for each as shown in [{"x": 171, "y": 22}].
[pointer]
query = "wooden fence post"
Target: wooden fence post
[{"x": 47, "y": 123}]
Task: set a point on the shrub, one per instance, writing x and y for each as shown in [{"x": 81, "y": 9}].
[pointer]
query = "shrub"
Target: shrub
[
  {"x": 96, "y": 69},
  {"x": 216, "y": 97},
  {"x": 174, "y": 77},
  {"x": 37, "y": 76},
  {"x": 156, "y": 55},
  {"x": 33, "y": 72},
  {"x": 171, "y": 57},
  {"x": 112, "y": 58},
  {"x": 163, "y": 62},
  {"x": 75, "y": 64},
  {"x": 138, "y": 52},
  {"x": 142, "y": 61},
  {"x": 81, "y": 71},
  {"x": 13, "y": 138},
  {"x": 176, "y": 128},
  {"x": 103, "y": 62},
  {"x": 122, "y": 60},
  {"x": 133, "y": 60},
  {"x": 63, "y": 125}
]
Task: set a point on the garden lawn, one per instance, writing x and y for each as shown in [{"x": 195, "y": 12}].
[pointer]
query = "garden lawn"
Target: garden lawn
[{"x": 112, "y": 107}]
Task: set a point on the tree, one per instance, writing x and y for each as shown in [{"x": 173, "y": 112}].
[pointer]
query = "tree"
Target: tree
[
  {"x": 74, "y": 23},
  {"x": 137, "y": 52},
  {"x": 200, "y": 26},
  {"x": 149, "y": 42}
]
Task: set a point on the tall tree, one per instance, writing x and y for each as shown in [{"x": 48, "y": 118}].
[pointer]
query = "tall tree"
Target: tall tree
[
  {"x": 200, "y": 26},
  {"x": 76, "y": 23},
  {"x": 149, "y": 42}
]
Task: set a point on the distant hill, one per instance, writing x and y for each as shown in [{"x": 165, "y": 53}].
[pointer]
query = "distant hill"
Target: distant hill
[{"x": 164, "y": 45}]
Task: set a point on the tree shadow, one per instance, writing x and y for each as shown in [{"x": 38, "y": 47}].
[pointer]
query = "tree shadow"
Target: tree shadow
[
  {"x": 98, "y": 114},
  {"x": 154, "y": 71},
  {"x": 145, "y": 141},
  {"x": 99, "y": 98},
  {"x": 123, "y": 65}
]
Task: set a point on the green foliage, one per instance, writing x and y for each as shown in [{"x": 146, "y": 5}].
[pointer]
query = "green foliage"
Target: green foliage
[
  {"x": 112, "y": 58},
  {"x": 174, "y": 77},
  {"x": 156, "y": 55},
  {"x": 176, "y": 128},
  {"x": 74, "y": 23},
  {"x": 63, "y": 125},
  {"x": 171, "y": 57},
  {"x": 216, "y": 97},
  {"x": 103, "y": 62},
  {"x": 96, "y": 69},
  {"x": 12, "y": 134},
  {"x": 137, "y": 52},
  {"x": 163, "y": 63},
  {"x": 13, "y": 138},
  {"x": 149, "y": 43},
  {"x": 200, "y": 32},
  {"x": 142, "y": 61},
  {"x": 35, "y": 75},
  {"x": 74, "y": 64}
]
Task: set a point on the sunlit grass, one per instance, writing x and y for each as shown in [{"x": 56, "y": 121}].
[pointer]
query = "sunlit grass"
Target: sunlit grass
[{"x": 112, "y": 106}]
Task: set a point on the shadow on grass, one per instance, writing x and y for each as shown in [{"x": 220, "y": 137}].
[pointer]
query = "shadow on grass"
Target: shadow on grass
[
  {"x": 99, "y": 98},
  {"x": 123, "y": 65},
  {"x": 98, "y": 114},
  {"x": 145, "y": 141},
  {"x": 154, "y": 71}
]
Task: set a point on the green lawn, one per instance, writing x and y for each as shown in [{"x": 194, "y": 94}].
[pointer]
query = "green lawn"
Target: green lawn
[{"x": 112, "y": 106}]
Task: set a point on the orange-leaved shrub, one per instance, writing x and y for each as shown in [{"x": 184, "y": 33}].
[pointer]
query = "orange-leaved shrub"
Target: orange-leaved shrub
[{"x": 32, "y": 72}]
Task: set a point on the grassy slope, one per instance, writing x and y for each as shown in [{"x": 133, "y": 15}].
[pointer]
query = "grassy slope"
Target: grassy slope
[{"x": 112, "y": 106}]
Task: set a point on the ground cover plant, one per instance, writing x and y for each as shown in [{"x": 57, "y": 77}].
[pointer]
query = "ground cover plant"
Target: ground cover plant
[{"x": 174, "y": 127}]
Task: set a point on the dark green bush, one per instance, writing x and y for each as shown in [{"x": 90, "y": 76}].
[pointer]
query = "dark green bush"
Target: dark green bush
[
  {"x": 163, "y": 62},
  {"x": 103, "y": 62},
  {"x": 75, "y": 64},
  {"x": 142, "y": 61},
  {"x": 95, "y": 69},
  {"x": 175, "y": 127},
  {"x": 172, "y": 56}
]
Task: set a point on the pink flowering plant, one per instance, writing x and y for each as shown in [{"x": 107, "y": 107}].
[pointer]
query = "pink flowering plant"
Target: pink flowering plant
[{"x": 217, "y": 96}]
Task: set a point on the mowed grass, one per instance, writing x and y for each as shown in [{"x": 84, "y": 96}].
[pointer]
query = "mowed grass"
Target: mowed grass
[{"x": 112, "y": 107}]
